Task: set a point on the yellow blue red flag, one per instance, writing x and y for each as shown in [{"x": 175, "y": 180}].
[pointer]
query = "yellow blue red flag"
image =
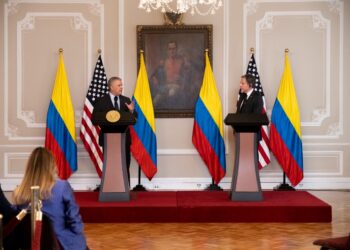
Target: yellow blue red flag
[
  {"x": 208, "y": 128},
  {"x": 60, "y": 129},
  {"x": 285, "y": 133},
  {"x": 143, "y": 133}
]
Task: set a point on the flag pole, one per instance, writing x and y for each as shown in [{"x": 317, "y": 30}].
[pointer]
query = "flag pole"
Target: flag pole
[
  {"x": 213, "y": 186},
  {"x": 284, "y": 186},
  {"x": 139, "y": 186}
]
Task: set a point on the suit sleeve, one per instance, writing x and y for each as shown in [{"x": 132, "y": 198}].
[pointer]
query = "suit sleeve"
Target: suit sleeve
[
  {"x": 258, "y": 106},
  {"x": 72, "y": 216},
  {"x": 98, "y": 107},
  {"x": 238, "y": 104}
]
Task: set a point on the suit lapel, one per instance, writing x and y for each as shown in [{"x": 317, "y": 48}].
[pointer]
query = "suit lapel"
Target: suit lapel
[
  {"x": 109, "y": 102},
  {"x": 121, "y": 103},
  {"x": 251, "y": 98}
]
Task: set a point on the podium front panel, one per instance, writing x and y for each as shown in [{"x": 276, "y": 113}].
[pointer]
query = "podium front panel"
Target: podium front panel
[
  {"x": 114, "y": 185},
  {"x": 246, "y": 174},
  {"x": 245, "y": 179},
  {"x": 114, "y": 181}
]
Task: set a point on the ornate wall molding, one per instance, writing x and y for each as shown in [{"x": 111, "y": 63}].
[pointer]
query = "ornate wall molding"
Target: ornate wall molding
[
  {"x": 336, "y": 6},
  {"x": 266, "y": 22},
  {"x": 337, "y": 155},
  {"x": 334, "y": 130},
  {"x": 96, "y": 8},
  {"x": 12, "y": 130},
  {"x": 319, "y": 23},
  {"x": 251, "y": 7},
  {"x": 9, "y": 156},
  {"x": 28, "y": 23},
  {"x": 13, "y": 156},
  {"x": 12, "y": 7},
  {"x": 78, "y": 22}
]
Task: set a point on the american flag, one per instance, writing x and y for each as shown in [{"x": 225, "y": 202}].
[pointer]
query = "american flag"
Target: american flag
[
  {"x": 264, "y": 143},
  {"x": 88, "y": 132}
]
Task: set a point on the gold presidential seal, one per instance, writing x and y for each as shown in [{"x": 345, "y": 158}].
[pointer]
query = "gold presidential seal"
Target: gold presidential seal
[{"x": 113, "y": 116}]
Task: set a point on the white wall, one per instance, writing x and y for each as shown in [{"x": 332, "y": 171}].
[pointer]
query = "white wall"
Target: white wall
[{"x": 315, "y": 31}]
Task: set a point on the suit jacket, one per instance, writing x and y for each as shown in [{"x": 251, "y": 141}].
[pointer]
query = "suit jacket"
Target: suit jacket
[
  {"x": 63, "y": 212},
  {"x": 105, "y": 104},
  {"x": 64, "y": 215},
  {"x": 254, "y": 104}
]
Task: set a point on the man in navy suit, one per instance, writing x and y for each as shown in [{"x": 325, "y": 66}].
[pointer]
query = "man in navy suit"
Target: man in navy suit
[
  {"x": 250, "y": 101},
  {"x": 115, "y": 100}
]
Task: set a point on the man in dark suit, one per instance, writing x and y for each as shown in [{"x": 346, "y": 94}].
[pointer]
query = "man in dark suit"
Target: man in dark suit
[
  {"x": 250, "y": 101},
  {"x": 115, "y": 100}
]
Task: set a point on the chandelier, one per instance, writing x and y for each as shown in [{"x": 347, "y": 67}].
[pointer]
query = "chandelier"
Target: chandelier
[{"x": 182, "y": 6}]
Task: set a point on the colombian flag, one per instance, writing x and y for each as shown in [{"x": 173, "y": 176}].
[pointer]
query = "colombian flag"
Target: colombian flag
[
  {"x": 285, "y": 134},
  {"x": 208, "y": 132},
  {"x": 60, "y": 130},
  {"x": 143, "y": 133}
]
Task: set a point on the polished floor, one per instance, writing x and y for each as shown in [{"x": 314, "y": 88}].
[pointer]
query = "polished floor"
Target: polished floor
[{"x": 223, "y": 235}]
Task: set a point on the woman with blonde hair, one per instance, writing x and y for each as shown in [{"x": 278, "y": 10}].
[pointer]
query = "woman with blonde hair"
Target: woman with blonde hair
[{"x": 57, "y": 199}]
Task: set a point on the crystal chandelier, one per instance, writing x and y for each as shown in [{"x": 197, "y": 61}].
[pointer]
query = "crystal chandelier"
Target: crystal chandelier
[{"x": 182, "y": 6}]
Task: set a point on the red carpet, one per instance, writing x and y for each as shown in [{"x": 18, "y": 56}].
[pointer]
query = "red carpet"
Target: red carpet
[{"x": 204, "y": 206}]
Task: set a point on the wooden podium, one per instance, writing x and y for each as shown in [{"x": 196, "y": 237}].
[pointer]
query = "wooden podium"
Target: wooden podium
[
  {"x": 114, "y": 183},
  {"x": 245, "y": 180}
]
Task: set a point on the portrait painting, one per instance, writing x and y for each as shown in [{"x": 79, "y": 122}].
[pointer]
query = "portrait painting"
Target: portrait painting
[{"x": 175, "y": 62}]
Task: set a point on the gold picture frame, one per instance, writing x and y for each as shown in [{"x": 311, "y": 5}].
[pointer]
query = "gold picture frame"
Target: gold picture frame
[{"x": 175, "y": 62}]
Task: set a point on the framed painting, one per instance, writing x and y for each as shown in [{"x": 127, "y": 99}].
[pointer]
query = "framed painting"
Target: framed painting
[{"x": 175, "y": 62}]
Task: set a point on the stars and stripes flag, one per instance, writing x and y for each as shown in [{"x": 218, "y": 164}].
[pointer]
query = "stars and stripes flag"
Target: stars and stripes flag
[
  {"x": 263, "y": 147},
  {"x": 88, "y": 132}
]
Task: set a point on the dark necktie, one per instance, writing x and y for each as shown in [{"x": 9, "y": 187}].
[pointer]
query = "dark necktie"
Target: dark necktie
[
  {"x": 116, "y": 106},
  {"x": 243, "y": 102}
]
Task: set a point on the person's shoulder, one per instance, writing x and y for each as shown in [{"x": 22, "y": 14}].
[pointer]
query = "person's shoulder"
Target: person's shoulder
[
  {"x": 102, "y": 98},
  {"x": 101, "y": 101},
  {"x": 256, "y": 93},
  {"x": 124, "y": 97},
  {"x": 61, "y": 184}
]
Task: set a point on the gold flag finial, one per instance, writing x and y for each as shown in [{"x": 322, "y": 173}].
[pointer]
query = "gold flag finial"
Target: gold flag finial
[
  {"x": 286, "y": 50},
  {"x": 141, "y": 50},
  {"x": 60, "y": 50},
  {"x": 99, "y": 51},
  {"x": 252, "y": 50}
]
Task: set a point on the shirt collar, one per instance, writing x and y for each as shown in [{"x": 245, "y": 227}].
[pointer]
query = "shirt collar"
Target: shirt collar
[
  {"x": 112, "y": 98},
  {"x": 250, "y": 92}
]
